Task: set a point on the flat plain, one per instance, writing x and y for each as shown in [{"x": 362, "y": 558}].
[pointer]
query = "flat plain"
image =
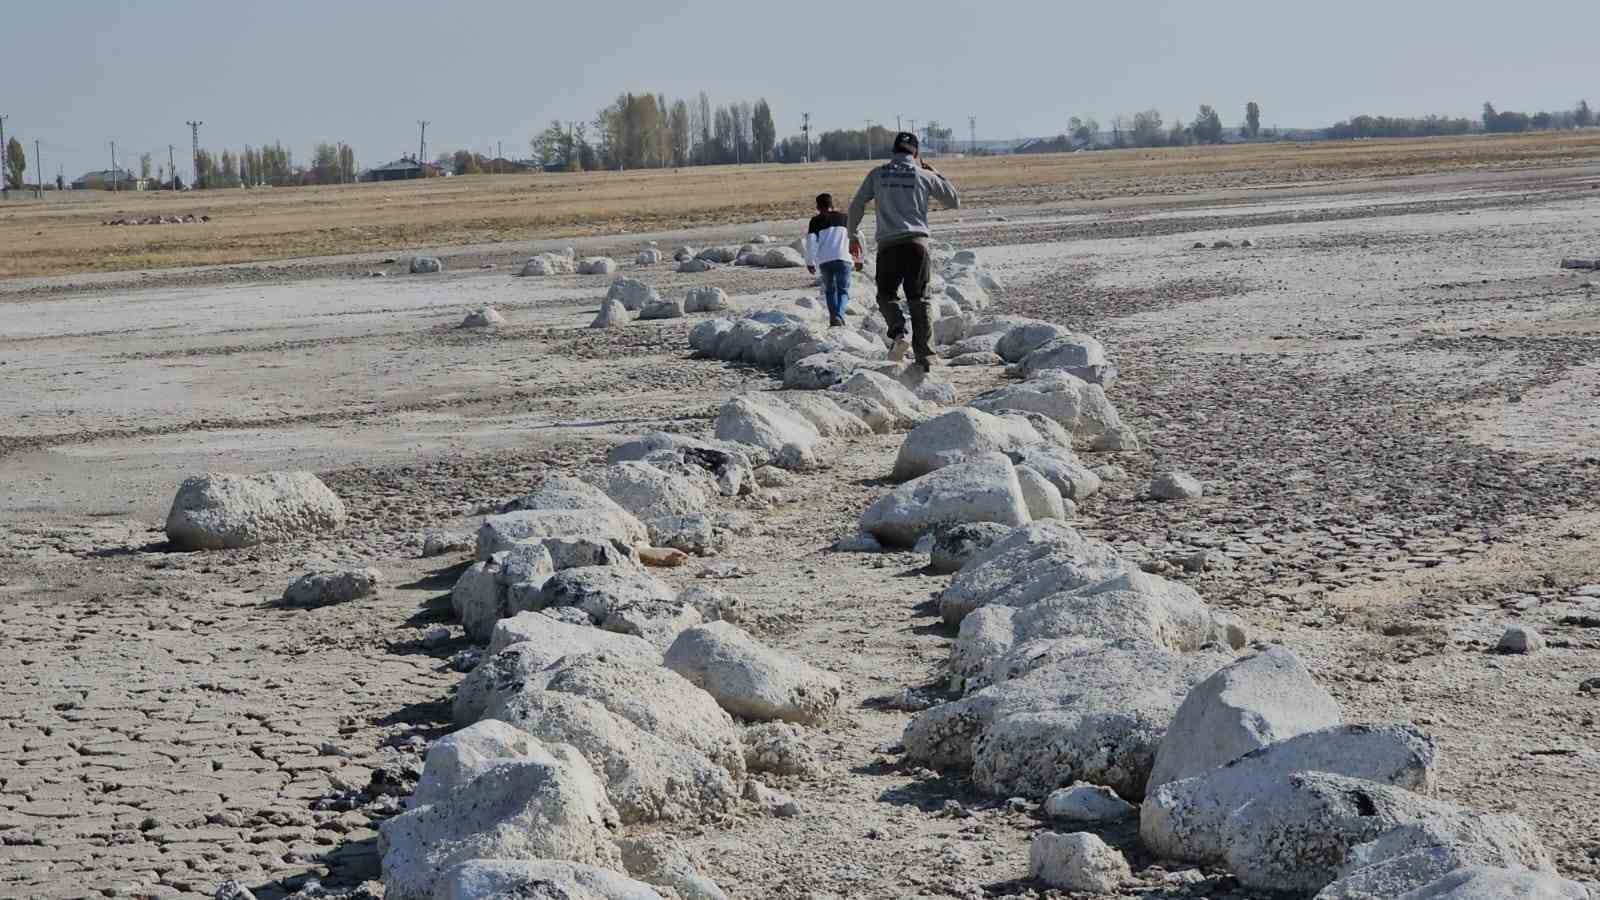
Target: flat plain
[{"x": 1390, "y": 397}]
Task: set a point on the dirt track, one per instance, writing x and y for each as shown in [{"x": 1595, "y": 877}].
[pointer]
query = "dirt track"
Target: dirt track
[{"x": 1391, "y": 398}]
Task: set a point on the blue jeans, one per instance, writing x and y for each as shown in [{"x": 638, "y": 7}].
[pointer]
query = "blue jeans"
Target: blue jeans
[{"x": 836, "y": 286}]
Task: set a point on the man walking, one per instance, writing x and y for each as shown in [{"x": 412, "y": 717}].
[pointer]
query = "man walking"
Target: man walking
[
  {"x": 828, "y": 249},
  {"x": 901, "y": 188}
]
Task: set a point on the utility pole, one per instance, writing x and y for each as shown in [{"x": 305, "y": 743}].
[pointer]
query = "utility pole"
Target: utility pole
[
  {"x": 172, "y": 168},
  {"x": 499, "y": 154},
  {"x": 5, "y": 156},
  {"x": 805, "y": 129},
  {"x": 866, "y": 137},
  {"x": 898, "y": 126},
  {"x": 422, "y": 142},
  {"x": 914, "y": 130},
  {"x": 194, "y": 134},
  {"x": 114, "y": 175},
  {"x": 38, "y": 166},
  {"x": 972, "y": 124}
]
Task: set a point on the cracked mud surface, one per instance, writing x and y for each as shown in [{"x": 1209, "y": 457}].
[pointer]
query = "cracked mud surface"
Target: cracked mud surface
[{"x": 1392, "y": 406}]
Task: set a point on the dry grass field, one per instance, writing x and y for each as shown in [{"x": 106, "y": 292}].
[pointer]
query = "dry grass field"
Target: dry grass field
[{"x": 54, "y": 238}]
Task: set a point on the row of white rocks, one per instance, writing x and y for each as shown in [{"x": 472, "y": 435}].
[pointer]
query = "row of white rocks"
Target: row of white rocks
[
  {"x": 1093, "y": 686},
  {"x": 604, "y": 699}
]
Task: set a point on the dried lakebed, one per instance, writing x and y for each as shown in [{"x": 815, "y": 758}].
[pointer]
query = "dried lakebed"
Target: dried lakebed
[{"x": 174, "y": 727}]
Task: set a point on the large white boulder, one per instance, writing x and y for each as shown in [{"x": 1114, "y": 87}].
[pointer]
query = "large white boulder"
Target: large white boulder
[
  {"x": 705, "y": 299},
  {"x": 1188, "y": 820},
  {"x": 648, "y": 257},
  {"x": 632, "y": 293},
  {"x": 549, "y": 807},
  {"x": 656, "y": 699},
  {"x": 750, "y": 679},
  {"x": 541, "y": 879},
  {"x": 1027, "y": 336},
  {"x": 706, "y": 338},
  {"x": 648, "y": 492},
  {"x": 612, "y": 314},
  {"x": 483, "y": 317},
  {"x": 549, "y": 264},
  {"x": 223, "y": 512},
  {"x": 501, "y": 532},
  {"x": 661, "y": 309},
  {"x": 723, "y": 255},
  {"x": 1097, "y": 717},
  {"x": 955, "y": 546},
  {"x": 820, "y": 371},
  {"x": 1258, "y": 700},
  {"x": 326, "y": 588},
  {"x": 908, "y": 410},
  {"x": 958, "y": 435},
  {"x": 1077, "y": 862},
  {"x": 602, "y": 590},
  {"x": 647, "y": 777},
  {"x": 1044, "y": 501},
  {"x": 597, "y": 265},
  {"x": 1079, "y": 407},
  {"x": 562, "y": 492},
  {"x": 1062, "y": 468},
  {"x": 829, "y": 417},
  {"x": 979, "y": 489},
  {"x": 1078, "y": 354},
  {"x": 503, "y": 585},
  {"x": 998, "y": 642},
  {"x": 778, "y": 434},
  {"x": 1027, "y": 565},
  {"x": 783, "y": 258},
  {"x": 1298, "y": 833},
  {"x": 524, "y": 648},
  {"x": 454, "y": 760},
  {"x": 725, "y": 462},
  {"x": 426, "y": 265}
]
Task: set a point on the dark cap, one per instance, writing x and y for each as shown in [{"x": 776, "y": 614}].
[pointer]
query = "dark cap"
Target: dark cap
[{"x": 905, "y": 139}]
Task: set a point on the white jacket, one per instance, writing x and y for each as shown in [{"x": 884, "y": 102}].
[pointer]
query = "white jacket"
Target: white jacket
[{"x": 828, "y": 240}]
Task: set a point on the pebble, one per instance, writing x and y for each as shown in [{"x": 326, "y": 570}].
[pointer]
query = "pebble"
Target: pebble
[{"x": 436, "y": 636}]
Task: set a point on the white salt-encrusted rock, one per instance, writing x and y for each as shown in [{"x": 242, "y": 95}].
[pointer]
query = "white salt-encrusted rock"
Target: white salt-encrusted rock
[
  {"x": 217, "y": 512},
  {"x": 981, "y": 489},
  {"x": 751, "y": 680},
  {"x": 537, "y": 808},
  {"x": 1261, "y": 699}
]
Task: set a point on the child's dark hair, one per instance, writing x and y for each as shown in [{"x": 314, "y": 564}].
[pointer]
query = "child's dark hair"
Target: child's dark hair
[{"x": 824, "y": 201}]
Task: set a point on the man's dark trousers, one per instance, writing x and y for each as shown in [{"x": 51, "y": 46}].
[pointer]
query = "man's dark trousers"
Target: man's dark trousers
[{"x": 906, "y": 265}]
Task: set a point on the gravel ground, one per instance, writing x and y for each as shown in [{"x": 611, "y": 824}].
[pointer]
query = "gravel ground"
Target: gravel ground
[{"x": 1392, "y": 406}]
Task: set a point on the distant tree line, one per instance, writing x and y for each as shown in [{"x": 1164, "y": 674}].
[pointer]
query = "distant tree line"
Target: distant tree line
[
  {"x": 643, "y": 131},
  {"x": 274, "y": 166},
  {"x": 1394, "y": 126},
  {"x": 1580, "y": 116}
]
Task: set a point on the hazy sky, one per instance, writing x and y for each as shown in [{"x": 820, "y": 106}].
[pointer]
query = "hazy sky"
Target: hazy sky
[{"x": 77, "y": 74}]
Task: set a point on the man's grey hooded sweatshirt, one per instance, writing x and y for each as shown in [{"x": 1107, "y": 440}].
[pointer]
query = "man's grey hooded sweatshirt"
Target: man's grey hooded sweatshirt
[{"x": 902, "y": 188}]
